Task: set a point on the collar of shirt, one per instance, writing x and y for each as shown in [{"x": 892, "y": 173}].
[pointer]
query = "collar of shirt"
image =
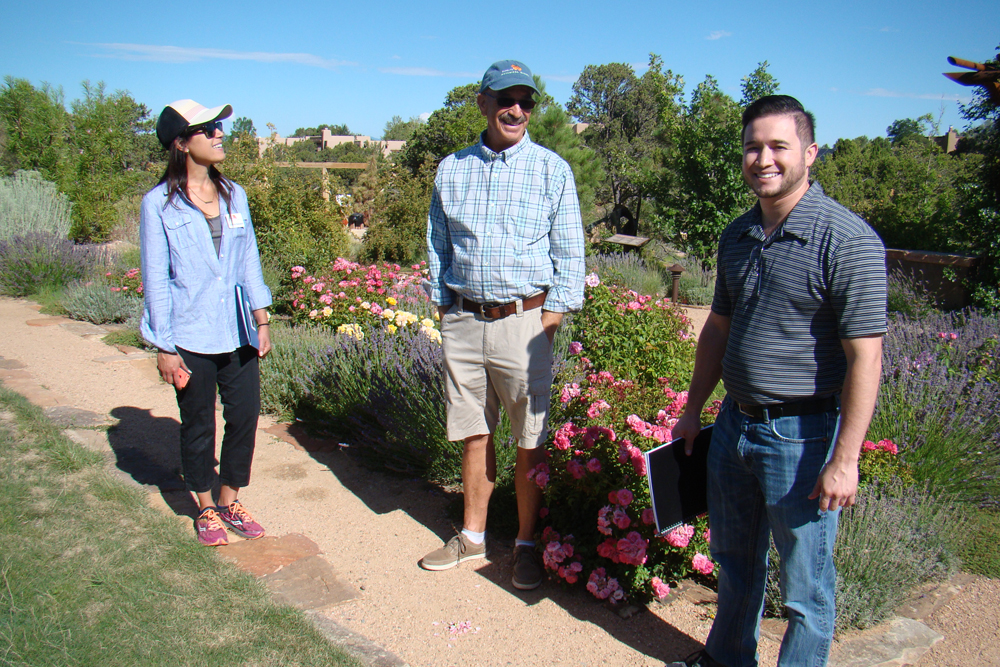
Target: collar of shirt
[
  {"x": 489, "y": 155},
  {"x": 799, "y": 223}
]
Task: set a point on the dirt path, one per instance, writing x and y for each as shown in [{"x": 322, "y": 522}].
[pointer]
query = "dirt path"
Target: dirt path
[{"x": 366, "y": 531}]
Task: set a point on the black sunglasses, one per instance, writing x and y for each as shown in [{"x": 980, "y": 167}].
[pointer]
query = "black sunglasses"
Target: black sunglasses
[
  {"x": 506, "y": 101},
  {"x": 208, "y": 128}
]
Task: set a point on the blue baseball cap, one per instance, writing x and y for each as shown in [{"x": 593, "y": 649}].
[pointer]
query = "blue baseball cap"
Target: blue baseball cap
[{"x": 505, "y": 74}]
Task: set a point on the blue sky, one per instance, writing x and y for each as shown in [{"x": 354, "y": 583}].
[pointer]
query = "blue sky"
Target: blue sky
[{"x": 857, "y": 65}]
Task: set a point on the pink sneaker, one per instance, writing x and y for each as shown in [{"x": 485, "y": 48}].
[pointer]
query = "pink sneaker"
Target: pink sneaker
[
  {"x": 240, "y": 521},
  {"x": 210, "y": 530}
]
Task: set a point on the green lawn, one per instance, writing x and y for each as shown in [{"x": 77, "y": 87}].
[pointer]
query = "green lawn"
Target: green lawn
[{"x": 91, "y": 575}]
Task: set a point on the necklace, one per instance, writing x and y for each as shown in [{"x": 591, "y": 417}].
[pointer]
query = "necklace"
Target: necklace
[{"x": 206, "y": 203}]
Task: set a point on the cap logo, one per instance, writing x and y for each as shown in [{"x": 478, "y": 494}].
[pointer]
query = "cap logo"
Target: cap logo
[{"x": 515, "y": 68}]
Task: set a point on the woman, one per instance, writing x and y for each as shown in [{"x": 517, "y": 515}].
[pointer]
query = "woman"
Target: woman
[{"x": 198, "y": 250}]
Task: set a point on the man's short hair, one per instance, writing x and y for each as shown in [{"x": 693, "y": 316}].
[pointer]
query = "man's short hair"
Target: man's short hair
[{"x": 781, "y": 105}]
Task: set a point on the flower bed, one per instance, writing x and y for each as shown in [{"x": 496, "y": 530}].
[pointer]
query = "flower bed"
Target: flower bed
[{"x": 351, "y": 294}]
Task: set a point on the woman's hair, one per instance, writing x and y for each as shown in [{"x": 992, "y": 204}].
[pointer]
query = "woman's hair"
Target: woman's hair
[{"x": 175, "y": 176}]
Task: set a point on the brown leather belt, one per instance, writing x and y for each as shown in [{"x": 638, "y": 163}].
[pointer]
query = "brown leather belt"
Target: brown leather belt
[
  {"x": 809, "y": 406},
  {"x": 498, "y": 311}
]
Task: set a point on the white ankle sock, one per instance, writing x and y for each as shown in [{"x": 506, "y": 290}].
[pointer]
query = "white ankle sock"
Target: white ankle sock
[
  {"x": 475, "y": 538},
  {"x": 524, "y": 543}
]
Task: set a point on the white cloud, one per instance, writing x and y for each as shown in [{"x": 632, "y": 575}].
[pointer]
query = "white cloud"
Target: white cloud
[
  {"x": 426, "y": 71},
  {"x": 882, "y": 92},
  {"x": 396, "y": 58},
  {"x": 181, "y": 54},
  {"x": 424, "y": 116},
  {"x": 718, "y": 34}
]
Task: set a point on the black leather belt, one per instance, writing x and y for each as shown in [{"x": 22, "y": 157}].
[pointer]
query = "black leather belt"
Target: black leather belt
[
  {"x": 809, "y": 406},
  {"x": 498, "y": 311}
]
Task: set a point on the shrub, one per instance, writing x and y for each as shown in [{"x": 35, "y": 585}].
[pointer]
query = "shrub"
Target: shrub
[
  {"x": 634, "y": 336},
  {"x": 398, "y": 223},
  {"x": 95, "y": 301},
  {"x": 347, "y": 293},
  {"x": 907, "y": 296},
  {"x": 285, "y": 372},
  {"x": 34, "y": 262},
  {"x": 940, "y": 401},
  {"x": 31, "y": 205},
  {"x": 628, "y": 270},
  {"x": 598, "y": 521},
  {"x": 384, "y": 391},
  {"x": 892, "y": 540}
]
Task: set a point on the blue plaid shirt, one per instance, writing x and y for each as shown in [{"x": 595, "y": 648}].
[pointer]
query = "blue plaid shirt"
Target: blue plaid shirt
[{"x": 506, "y": 226}]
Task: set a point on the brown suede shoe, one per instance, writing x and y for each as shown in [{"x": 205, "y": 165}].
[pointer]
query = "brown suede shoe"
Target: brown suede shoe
[{"x": 457, "y": 550}]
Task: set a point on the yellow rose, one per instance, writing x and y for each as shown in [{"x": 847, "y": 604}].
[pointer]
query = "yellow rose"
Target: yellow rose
[
  {"x": 391, "y": 328},
  {"x": 391, "y": 301}
]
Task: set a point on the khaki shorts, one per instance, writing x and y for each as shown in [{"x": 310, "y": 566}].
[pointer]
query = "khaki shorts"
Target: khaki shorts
[{"x": 489, "y": 363}]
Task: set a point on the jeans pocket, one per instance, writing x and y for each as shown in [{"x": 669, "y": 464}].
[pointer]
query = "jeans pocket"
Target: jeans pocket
[{"x": 803, "y": 428}]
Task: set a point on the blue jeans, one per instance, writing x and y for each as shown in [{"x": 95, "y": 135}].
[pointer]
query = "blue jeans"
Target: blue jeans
[{"x": 760, "y": 474}]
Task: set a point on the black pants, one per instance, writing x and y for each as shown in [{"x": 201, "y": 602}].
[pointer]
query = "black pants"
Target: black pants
[{"x": 237, "y": 376}]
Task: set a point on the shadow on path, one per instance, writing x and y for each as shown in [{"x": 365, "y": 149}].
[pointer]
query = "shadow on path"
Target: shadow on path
[
  {"x": 440, "y": 510},
  {"x": 146, "y": 449}
]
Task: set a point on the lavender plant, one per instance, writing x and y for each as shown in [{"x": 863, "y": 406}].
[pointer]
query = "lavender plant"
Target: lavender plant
[
  {"x": 940, "y": 401},
  {"x": 384, "y": 391},
  {"x": 35, "y": 262}
]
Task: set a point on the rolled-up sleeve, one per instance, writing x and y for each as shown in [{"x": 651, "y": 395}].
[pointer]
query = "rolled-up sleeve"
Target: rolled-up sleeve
[
  {"x": 155, "y": 259},
  {"x": 439, "y": 250},
  {"x": 566, "y": 245}
]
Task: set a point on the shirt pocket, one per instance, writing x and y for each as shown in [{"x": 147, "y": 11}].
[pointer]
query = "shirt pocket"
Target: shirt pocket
[{"x": 181, "y": 230}]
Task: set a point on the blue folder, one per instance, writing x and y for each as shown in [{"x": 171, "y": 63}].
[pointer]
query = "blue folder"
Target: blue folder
[{"x": 246, "y": 324}]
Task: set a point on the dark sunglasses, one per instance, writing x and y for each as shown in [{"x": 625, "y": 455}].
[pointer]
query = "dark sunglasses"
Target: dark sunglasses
[
  {"x": 208, "y": 128},
  {"x": 506, "y": 101}
]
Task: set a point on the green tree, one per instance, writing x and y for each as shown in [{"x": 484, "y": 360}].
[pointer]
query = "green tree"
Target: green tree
[
  {"x": 398, "y": 222},
  {"x": 243, "y": 127},
  {"x": 701, "y": 188},
  {"x": 457, "y": 125},
  {"x": 114, "y": 136},
  {"x": 623, "y": 112},
  {"x": 550, "y": 127},
  {"x": 911, "y": 193},
  {"x": 35, "y": 129},
  {"x": 757, "y": 84},
  {"x": 336, "y": 130},
  {"x": 909, "y": 129},
  {"x": 982, "y": 196},
  {"x": 397, "y": 129}
]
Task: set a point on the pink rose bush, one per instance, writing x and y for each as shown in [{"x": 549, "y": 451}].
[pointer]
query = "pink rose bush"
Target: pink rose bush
[
  {"x": 880, "y": 463},
  {"x": 385, "y": 296},
  {"x": 596, "y": 489},
  {"x": 127, "y": 282}
]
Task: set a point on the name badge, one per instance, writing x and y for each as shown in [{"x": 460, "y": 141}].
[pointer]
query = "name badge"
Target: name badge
[{"x": 234, "y": 220}]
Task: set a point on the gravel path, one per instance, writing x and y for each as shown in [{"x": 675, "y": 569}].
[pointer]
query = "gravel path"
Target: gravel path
[{"x": 372, "y": 529}]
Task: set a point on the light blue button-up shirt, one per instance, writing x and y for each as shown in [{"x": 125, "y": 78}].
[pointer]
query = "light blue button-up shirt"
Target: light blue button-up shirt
[
  {"x": 190, "y": 292},
  {"x": 506, "y": 226}
]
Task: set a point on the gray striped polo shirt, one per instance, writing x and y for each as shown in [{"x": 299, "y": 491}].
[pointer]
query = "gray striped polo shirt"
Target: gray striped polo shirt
[{"x": 791, "y": 298}]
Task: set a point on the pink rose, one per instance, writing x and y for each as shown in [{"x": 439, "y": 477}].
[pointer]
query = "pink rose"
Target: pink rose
[
  {"x": 575, "y": 348},
  {"x": 660, "y": 589},
  {"x": 593, "y": 465},
  {"x": 621, "y": 519},
  {"x": 702, "y": 563},
  {"x": 648, "y": 517},
  {"x": 680, "y": 536},
  {"x": 624, "y": 497},
  {"x": 576, "y": 469}
]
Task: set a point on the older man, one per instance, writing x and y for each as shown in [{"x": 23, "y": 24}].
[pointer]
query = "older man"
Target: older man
[
  {"x": 505, "y": 242},
  {"x": 795, "y": 335}
]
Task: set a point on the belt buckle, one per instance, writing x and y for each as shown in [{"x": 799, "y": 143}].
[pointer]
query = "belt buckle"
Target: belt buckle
[
  {"x": 744, "y": 412},
  {"x": 484, "y": 306}
]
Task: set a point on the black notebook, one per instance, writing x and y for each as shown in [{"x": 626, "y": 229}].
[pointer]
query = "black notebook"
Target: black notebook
[{"x": 677, "y": 482}]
